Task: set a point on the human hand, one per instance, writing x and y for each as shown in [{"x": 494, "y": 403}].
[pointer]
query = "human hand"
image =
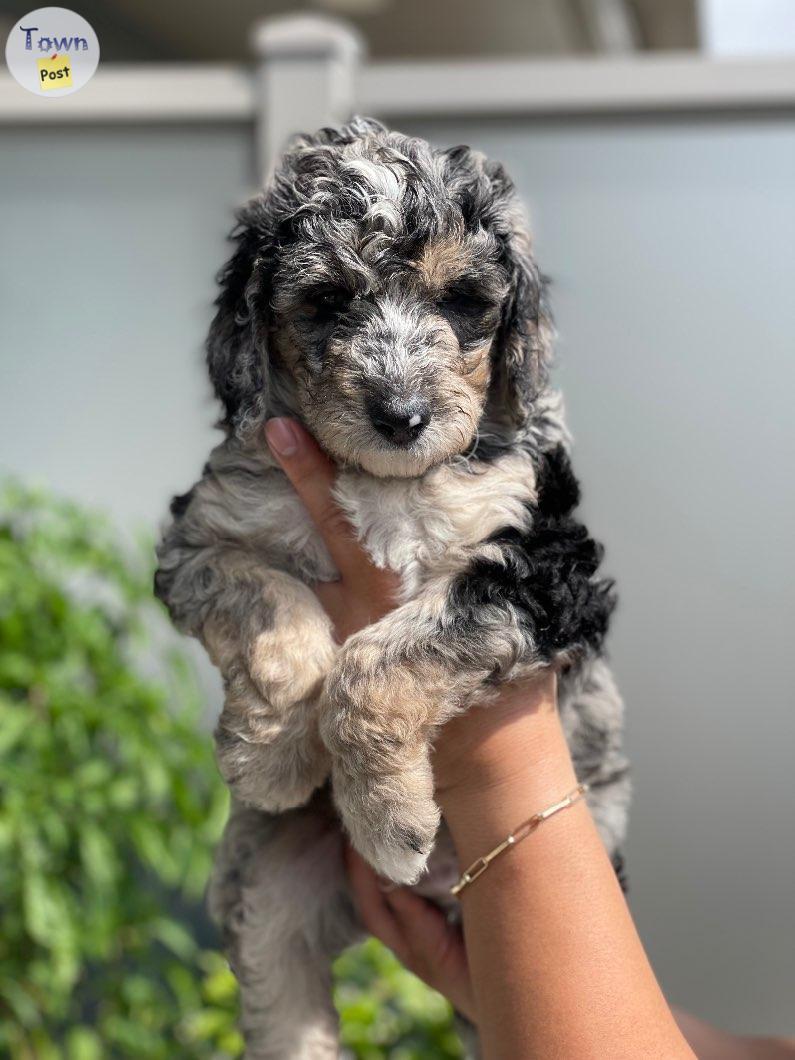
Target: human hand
[{"x": 416, "y": 931}]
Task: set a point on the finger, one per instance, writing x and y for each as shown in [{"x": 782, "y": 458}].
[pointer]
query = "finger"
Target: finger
[
  {"x": 370, "y": 902},
  {"x": 425, "y": 927},
  {"x": 313, "y": 475},
  {"x": 438, "y": 954}
]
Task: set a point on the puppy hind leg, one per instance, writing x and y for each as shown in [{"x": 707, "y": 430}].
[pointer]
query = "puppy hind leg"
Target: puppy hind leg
[
  {"x": 279, "y": 892},
  {"x": 592, "y": 712}
]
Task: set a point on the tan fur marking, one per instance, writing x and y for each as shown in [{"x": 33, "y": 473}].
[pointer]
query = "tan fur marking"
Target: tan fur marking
[
  {"x": 441, "y": 262},
  {"x": 479, "y": 367}
]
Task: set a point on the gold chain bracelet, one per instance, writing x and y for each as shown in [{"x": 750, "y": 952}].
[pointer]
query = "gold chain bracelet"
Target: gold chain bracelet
[{"x": 477, "y": 868}]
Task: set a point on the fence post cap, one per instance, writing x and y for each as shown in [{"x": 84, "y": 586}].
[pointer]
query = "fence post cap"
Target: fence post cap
[{"x": 305, "y": 37}]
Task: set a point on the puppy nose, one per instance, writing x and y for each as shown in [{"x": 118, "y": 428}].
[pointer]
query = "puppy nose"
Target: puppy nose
[{"x": 400, "y": 421}]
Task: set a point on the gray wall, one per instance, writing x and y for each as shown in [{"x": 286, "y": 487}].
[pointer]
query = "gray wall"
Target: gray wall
[
  {"x": 111, "y": 239},
  {"x": 672, "y": 247}
]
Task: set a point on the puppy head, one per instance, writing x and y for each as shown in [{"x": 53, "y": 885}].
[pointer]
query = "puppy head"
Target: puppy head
[{"x": 384, "y": 291}]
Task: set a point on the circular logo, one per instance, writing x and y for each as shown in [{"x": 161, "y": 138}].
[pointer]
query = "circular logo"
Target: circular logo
[{"x": 52, "y": 52}]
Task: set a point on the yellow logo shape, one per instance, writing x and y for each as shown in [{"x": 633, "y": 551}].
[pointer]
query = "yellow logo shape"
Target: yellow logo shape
[{"x": 55, "y": 72}]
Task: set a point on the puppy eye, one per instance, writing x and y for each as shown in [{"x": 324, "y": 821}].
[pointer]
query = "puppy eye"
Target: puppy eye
[
  {"x": 330, "y": 302},
  {"x": 463, "y": 303}
]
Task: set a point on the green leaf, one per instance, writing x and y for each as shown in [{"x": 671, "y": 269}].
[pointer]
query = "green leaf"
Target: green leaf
[
  {"x": 21, "y": 1002},
  {"x": 175, "y": 936},
  {"x": 98, "y": 857},
  {"x": 82, "y": 1043},
  {"x": 42, "y": 908},
  {"x": 14, "y": 723},
  {"x": 150, "y": 842}
]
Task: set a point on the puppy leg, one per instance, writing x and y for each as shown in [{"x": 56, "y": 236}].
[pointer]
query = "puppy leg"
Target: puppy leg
[
  {"x": 274, "y": 651},
  {"x": 272, "y": 642},
  {"x": 392, "y": 685},
  {"x": 280, "y": 895}
]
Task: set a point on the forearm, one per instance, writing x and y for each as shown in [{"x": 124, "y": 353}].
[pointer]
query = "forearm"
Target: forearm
[{"x": 557, "y": 966}]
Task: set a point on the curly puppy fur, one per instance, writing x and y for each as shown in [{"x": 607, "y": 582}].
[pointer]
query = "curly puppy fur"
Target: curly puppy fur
[{"x": 385, "y": 293}]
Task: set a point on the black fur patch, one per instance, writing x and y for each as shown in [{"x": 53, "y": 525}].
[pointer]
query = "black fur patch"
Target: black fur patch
[
  {"x": 179, "y": 504},
  {"x": 162, "y": 585},
  {"x": 548, "y": 577},
  {"x": 412, "y": 840},
  {"x": 620, "y": 869}
]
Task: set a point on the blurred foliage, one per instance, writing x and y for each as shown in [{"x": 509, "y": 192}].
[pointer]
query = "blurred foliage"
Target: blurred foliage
[
  {"x": 110, "y": 805},
  {"x": 389, "y": 1013}
]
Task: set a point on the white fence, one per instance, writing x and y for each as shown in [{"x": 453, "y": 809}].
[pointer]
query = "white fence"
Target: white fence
[{"x": 308, "y": 71}]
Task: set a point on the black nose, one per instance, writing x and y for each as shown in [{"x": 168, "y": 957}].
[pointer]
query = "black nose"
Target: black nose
[{"x": 401, "y": 421}]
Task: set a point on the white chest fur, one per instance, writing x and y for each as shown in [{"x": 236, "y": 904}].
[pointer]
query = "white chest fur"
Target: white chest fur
[
  {"x": 421, "y": 526},
  {"x": 415, "y": 527}
]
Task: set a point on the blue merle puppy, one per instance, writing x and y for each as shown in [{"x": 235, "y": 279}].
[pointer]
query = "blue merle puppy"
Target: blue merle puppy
[{"x": 384, "y": 292}]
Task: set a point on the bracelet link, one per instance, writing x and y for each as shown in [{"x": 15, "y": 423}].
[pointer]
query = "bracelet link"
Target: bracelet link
[
  {"x": 477, "y": 868},
  {"x": 524, "y": 830}
]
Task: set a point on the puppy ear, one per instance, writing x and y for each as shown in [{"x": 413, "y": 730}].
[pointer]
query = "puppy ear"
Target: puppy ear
[
  {"x": 237, "y": 355},
  {"x": 237, "y": 344},
  {"x": 523, "y": 346}
]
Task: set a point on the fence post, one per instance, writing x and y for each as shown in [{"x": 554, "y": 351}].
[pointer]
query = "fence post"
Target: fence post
[{"x": 307, "y": 66}]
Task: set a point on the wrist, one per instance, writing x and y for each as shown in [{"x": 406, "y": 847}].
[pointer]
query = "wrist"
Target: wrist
[
  {"x": 520, "y": 769},
  {"x": 490, "y": 743},
  {"x": 523, "y": 758}
]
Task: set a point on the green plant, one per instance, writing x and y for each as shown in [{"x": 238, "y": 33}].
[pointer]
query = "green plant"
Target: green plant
[
  {"x": 110, "y": 805},
  {"x": 387, "y": 1013}
]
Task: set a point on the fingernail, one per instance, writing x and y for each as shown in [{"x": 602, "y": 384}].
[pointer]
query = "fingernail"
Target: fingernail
[{"x": 282, "y": 436}]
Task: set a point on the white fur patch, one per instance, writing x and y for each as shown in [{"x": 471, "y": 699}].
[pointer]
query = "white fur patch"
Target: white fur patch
[{"x": 419, "y": 527}]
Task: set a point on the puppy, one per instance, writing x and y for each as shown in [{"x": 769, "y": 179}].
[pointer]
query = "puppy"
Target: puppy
[{"x": 384, "y": 292}]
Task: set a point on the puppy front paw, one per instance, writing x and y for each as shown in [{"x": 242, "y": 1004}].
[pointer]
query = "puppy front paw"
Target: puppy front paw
[
  {"x": 391, "y": 820},
  {"x": 271, "y": 760},
  {"x": 373, "y": 720}
]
